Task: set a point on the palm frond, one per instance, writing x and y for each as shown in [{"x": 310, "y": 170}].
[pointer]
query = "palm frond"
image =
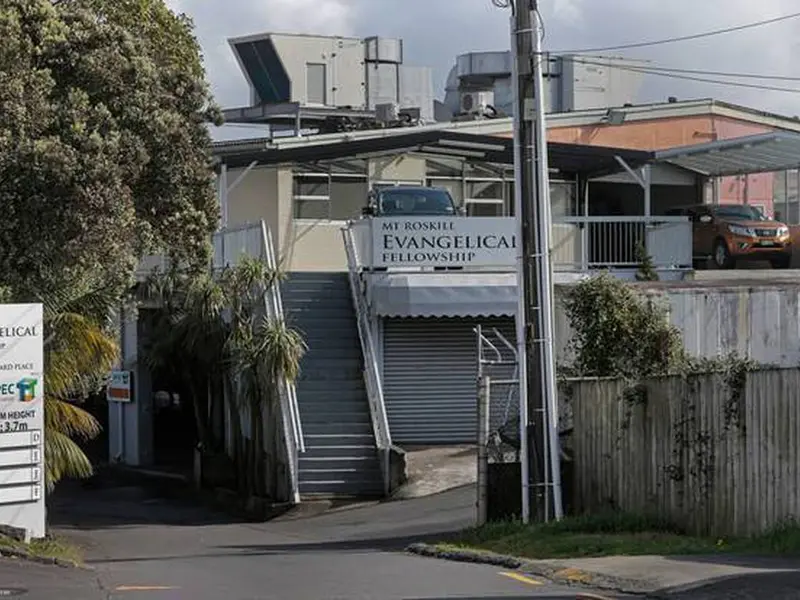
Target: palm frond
[
  {"x": 63, "y": 458},
  {"x": 282, "y": 347},
  {"x": 69, "y": 419},
  {"x": 78, "y": 355}
]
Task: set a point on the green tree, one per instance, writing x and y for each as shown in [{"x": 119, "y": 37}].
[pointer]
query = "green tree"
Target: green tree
[
  {"x": 213, "y": 333},
  {"x": 619, "y": 332},
  {"x": 79, "y": 351},
  {"x": 647, "y": 269},
  {"x": 104, "y": 150}
]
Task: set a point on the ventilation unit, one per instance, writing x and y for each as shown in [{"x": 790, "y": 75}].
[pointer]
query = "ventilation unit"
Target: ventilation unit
[{"x": 476, "y": 103}]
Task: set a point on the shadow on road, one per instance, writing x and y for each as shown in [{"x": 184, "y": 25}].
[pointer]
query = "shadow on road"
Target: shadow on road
[
  {"x": 775, "y": 585},
  {"x": 774, "y": 563},
  {"x": 110, "y": 505},
  {"x": 388, "y": 544}
]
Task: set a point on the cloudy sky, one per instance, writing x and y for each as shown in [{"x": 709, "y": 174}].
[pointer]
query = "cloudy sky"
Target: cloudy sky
[{"x": 435, "y": 31}]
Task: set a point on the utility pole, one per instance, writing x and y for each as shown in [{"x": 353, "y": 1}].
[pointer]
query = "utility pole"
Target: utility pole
[{"x": 540, "y": 455}]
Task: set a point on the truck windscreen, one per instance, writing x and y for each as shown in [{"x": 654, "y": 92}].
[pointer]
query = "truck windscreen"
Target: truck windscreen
[{"x": 422, "y": 202}]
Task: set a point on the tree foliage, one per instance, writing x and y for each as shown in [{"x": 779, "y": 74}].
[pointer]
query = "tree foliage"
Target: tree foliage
[
  {"x": 618, "y": 331},
  {"x": 647, "y": 270},
  {"x": 212, "y": 333},
  {"x": 104, "y": 152},
  {"x": 79, "y": 351}
]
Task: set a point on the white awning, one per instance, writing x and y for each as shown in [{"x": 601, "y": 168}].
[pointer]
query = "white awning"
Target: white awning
[
  {"x": 760, "y": 153},
  {"x": 450, "y": 294}
]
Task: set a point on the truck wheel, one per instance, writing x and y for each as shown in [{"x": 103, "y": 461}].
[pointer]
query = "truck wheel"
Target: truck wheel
[
  {"x": 722, "y": 256},
  {"x": 783, "y": 262}
]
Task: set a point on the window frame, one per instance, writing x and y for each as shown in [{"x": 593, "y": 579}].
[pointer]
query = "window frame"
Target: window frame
[{"x": 330, "y": 178}]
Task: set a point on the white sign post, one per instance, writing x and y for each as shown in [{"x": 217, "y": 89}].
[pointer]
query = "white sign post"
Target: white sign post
[
  {"x": 119, "y": 387},
  {"x": 22, "y": 502},
  {"x": 443, "y": 242}
]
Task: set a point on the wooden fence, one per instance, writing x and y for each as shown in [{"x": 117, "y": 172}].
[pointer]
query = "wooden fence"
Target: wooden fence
[{"x": 715, "y": 459}]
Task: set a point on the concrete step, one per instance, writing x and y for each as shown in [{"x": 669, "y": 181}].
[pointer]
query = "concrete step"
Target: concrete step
[
  {"x": 300, "y": 313},
  {"x": 315, "y": 275},
  {"x": 331, "y": 408},
  {"x": 343, "y": 475},
  {"x": 339, "y": 487},
  {"x": 326, "y": 373},
  {"x": 321, "y": 351},
  {"x": 335, "y": 363},
  {"x": 316, "y": 440},
  {"x": 352, "y": 452},
  {"x": 340, "y": 341},
  {"x": 303, "y": 302},
  {"x": 334, "y": 412},
  {"x": 323, "y": 388},
  {"x": 310, "y": 288},
  {"x": 365, "y": 463},
  {"x": 335, "y": 428},
  {"x": 314, "y": 322}
]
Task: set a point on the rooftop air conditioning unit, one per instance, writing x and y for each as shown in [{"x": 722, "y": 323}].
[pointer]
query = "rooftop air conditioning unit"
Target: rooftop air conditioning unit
[
  {"x": 473, "y": 103},
  {"x": 387, "y": 112}
]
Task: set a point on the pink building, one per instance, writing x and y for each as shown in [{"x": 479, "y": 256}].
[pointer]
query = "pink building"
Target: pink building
[{"x": 674, "y": 124}]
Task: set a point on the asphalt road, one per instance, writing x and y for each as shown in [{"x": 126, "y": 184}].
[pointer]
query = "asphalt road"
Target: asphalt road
[
  {"x": 774, "y": 586},
  {"x": 142, "y": 547}
]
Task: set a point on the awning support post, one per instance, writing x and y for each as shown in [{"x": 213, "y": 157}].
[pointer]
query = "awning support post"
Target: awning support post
[
  {"x": 241, "y": 176},
  {"x": 644, "y": 178},
  {"x": 223, "y": 195}
]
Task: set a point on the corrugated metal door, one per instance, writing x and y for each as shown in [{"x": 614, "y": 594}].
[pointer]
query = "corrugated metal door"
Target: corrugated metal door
[{"x": 430, "y": 369}]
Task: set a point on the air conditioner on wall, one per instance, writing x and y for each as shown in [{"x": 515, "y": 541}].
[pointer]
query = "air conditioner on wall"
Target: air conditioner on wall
[{"x": 476, "y": 102}]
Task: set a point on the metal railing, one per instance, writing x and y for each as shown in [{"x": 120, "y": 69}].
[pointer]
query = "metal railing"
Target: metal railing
[
  {"x": 255, "y": 240},
  {"x": 613, "y": 242},
  {"x": 577, "y": 244},
  {"x": 372, "y": 377},
  {"x": 290, "y": 409}
]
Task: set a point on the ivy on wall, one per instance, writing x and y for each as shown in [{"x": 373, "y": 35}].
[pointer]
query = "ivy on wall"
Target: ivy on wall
[{"x": 622, "y": 333}]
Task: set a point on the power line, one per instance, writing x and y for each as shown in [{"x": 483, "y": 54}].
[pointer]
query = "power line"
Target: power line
[
  {"x": 647, "y": 71},
  {"x": 713, "y": 73},
  {"x": 683, "y": 38}
]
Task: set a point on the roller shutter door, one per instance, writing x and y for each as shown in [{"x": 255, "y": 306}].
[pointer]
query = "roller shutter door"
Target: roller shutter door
[{"x": 430, "y": 369}]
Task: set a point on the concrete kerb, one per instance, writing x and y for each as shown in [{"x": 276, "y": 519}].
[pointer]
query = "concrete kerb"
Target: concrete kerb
[
  {"x": 553, "y": 573},
  {"x": 43, "y": 560}
]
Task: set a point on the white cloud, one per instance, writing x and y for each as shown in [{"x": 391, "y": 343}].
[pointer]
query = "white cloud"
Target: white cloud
[{"x": 435, "y": 31}]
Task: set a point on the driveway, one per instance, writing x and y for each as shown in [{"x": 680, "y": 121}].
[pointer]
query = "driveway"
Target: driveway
[{"x": 144, "y": 547}]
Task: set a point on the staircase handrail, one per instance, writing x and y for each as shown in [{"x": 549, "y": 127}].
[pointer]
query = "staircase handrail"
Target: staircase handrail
[
  {"x": 372, "y": 378},
  {"x": 290, "y": 410}
]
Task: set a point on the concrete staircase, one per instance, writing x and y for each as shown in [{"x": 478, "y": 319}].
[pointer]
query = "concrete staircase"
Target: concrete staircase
[{"x": 341, "y": 458}]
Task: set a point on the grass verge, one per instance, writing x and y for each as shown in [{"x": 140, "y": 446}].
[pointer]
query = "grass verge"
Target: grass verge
[
  {"x": 615, "y": 534},
  {"x": 47, "y": 548}
]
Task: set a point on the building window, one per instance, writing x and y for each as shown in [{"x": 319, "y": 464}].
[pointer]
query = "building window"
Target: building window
[
  {"x": 312, "y": 196},
  {"x": 316, "y": 83},
  {"x": 324, "y": 197},
  {"x": 485, "y": 198},
  {"x": 348, "y": 197},
  {"x": 563, "y": 199},
  {"x": 454, "y": 186}
]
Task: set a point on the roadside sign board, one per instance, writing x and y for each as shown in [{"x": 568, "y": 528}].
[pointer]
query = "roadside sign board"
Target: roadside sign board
[
  {"x": 22, "y": 503},
  {"x": 120, "y": 386}
]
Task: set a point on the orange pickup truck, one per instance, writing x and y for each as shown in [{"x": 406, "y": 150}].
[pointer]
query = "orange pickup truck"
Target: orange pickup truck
[{"x": 727, "y": 234}]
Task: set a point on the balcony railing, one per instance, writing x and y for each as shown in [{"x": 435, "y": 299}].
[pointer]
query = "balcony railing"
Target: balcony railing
[{"x": 490, "y": 244}]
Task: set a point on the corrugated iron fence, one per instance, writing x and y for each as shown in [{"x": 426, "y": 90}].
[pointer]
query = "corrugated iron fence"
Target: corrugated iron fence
[{"x": 715, "y": 457}]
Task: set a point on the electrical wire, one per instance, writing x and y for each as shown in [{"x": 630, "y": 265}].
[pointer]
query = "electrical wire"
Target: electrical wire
[
  {"x": 647, "y": 71},
  {"x": 713, "y": 73},
  {"x": 683, "y": 38}
]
